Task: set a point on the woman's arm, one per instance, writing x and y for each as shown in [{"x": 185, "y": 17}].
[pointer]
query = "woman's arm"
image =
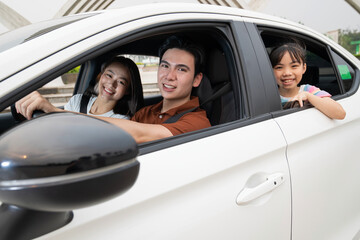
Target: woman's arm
[{"x": 34, "y": 101}]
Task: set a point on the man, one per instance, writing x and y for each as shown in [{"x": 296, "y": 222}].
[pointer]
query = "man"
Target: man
[{"x": 179, "y": 71}]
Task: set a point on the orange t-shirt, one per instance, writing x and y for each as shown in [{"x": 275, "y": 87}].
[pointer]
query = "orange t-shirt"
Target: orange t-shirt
[{"x": 191, "y": 121}]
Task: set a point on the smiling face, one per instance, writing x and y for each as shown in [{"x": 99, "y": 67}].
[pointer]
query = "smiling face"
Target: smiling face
[
  {"x": 114, "y": 82},
  {"x": 176, "y": 76},
  {"x": 288, "y": 73}
]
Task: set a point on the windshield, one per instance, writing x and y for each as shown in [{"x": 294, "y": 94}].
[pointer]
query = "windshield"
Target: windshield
[{"x": 26, "y": 33}]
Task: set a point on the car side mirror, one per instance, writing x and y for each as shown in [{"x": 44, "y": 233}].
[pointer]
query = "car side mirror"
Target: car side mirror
[{"x": 56, "y": 163}]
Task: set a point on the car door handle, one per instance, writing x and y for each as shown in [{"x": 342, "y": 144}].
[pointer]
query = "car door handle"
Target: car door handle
[{"x": 249, "y": 194}]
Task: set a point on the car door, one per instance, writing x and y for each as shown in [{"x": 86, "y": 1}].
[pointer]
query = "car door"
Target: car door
[
  {"x": 323, "y": 159},
  {"x": 190, "y": 191},
  {"x": 230, "y": 181},
  {"x": 323, "y": 153}
]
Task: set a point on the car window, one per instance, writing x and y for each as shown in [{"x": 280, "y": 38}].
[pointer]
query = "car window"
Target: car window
[
  {"x": 326, "y": 71},
  {"x": 220, "y": 71},
  {"x": 345, "y": 71}
]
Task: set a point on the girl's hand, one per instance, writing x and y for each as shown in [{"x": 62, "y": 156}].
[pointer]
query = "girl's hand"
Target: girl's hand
[
  {"x": 34, "y": 101},
  {"x": 301, "y": 98}
]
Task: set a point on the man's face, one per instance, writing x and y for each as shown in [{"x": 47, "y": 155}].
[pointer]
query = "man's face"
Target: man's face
[{"x": 176, "y": 75}]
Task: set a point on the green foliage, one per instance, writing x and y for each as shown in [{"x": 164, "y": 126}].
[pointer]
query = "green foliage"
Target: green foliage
[
  {"x": 74, "y": 70},
  {"x": 348, "y": 36}
]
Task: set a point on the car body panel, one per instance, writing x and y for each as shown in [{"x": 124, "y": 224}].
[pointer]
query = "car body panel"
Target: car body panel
[
  {"x": 325, "y": 201},
  {"x": 182, "y": 200}
]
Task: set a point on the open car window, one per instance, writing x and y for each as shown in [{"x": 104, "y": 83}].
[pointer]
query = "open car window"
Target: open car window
[
  {"x": 327, "y": 71},
  {"x": 142, "y": 48}
]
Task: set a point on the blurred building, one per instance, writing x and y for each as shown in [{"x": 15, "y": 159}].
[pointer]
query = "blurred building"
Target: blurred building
[
  {"x": 11, "y": 19},
  {"x": 14, "y": 14}
]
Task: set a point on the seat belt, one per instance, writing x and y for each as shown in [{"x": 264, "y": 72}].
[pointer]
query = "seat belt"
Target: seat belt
[
  {"x": 222, "y": 90},
  {"x": 84, "y": 103}
]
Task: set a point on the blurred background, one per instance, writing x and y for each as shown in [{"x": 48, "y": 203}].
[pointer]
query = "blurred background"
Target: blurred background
[{"x": 338, "y": 19}]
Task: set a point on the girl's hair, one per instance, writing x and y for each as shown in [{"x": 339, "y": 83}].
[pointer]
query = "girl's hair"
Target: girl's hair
[
  {"x": 134, "y": 100},
  {"x": 296, "y": 50}
]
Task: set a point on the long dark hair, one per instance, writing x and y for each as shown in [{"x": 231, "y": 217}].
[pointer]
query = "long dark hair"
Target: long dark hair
[{"x": 134, "y": 100}]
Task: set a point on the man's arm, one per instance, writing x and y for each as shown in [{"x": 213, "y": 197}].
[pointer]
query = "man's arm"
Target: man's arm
[{"x": 141, "y": 132}]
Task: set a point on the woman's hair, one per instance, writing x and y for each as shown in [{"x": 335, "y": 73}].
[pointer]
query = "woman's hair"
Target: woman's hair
[
  {"x": 185, "y": 45},
  {"x": 296, "y": 49},
  {"x": 134, "y": 100}
]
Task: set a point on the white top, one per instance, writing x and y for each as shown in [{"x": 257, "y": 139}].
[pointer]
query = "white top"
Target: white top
[{"x": 74, "y": 106}]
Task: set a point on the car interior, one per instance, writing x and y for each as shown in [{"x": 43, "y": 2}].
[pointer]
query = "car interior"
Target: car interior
[{"x": 215, "y": 92}]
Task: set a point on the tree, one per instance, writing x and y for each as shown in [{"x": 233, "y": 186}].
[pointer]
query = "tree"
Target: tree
[{"x": 346, "y": 37}]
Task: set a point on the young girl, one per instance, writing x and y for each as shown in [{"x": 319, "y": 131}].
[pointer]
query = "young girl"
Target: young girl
[
  {"x": 289, "y": 65},
  {"x": 117, "y": 94}
]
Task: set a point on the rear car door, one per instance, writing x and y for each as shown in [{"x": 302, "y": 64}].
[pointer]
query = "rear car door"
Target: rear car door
[{"x": 323, "y": 153}]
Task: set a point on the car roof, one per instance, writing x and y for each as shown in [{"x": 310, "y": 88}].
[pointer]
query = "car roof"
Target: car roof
[{"x": 35, "y": 49}]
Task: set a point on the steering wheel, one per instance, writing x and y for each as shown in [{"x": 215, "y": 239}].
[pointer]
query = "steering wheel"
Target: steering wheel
[{"x": 19, "y": 118}]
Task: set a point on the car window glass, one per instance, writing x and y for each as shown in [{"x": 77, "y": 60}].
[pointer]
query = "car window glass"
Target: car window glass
[
  {"x": 346, "y": 72},
  {"x": 319, "y": 63}
]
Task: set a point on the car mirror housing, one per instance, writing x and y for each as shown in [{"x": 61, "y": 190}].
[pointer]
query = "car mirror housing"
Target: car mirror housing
[{"x": 59, "y": 162}]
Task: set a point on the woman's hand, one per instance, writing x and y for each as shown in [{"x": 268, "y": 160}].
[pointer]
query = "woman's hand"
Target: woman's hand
[{"x": 34, "y": 101}]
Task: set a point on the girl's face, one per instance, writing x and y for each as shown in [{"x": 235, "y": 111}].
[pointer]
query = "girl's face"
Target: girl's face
[
  {"x": 114, "y": 82},
  {"x": 288, "y": 73}
]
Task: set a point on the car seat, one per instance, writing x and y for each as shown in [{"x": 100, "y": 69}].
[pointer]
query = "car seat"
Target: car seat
[{"x": 215, "y": 92}]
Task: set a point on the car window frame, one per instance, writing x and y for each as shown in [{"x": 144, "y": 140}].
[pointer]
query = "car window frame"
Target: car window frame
[
  {"x": 307, "y": 38},
  {"x": 107, "y": 46},
  {"x": 356, "y": 79}
]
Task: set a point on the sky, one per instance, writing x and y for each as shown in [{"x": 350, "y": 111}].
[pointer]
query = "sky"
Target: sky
[{"x": 321, "y": 15}]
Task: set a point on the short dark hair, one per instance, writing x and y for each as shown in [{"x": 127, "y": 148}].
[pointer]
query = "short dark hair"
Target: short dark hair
[
  {"x": 296, "y": 49},
  {"x": 186, "y": 45}
]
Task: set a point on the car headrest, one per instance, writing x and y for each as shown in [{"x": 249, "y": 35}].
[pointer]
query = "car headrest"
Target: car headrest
[
  {"x": 217, "y": 69},
  {"x": 311, "y": 76}
]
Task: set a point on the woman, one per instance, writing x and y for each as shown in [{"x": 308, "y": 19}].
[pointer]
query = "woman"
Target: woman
[{"x": 119, "y": 94}]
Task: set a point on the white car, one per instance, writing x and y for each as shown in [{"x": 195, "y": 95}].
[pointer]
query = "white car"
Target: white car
[{"x": 260, "y": 172}]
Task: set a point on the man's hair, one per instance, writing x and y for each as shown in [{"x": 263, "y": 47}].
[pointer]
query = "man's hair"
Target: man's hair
[{"x": 185, "y": 45}]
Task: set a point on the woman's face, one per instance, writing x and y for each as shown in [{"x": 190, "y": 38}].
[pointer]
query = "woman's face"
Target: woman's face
[
  {"x": 288, "y": 73},
  {"x": 114, "y": 82}
]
